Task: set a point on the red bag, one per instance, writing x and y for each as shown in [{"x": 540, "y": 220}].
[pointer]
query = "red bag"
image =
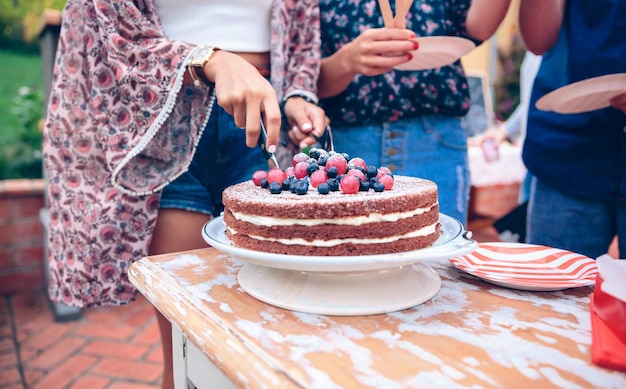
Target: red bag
[{"x": 608, "y": 329}]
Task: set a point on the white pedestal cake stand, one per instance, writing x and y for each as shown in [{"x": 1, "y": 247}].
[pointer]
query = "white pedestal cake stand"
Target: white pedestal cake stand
[{"x": 343, "y": 286}]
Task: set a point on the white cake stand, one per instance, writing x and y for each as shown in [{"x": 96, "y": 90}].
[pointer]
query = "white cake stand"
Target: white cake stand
[{"x": 343, "y": 286}]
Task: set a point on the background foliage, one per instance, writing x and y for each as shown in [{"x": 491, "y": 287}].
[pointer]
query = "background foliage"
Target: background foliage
[
  {"x": 21, "y": 87},
  {"x": 507, "y": 88},
  {"x": 21, "y": 109},
  {"x": 20, "y": 21}
]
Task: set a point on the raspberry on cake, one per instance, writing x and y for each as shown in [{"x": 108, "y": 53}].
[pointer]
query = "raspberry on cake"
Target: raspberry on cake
[{"x": 376, "y": 214}]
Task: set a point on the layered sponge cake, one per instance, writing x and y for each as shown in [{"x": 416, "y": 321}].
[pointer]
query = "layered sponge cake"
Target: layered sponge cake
[
  {"x": 337, "y": 211},
  {"x": 404, "y": 218}
]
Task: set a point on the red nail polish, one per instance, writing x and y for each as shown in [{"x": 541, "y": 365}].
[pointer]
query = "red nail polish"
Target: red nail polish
[
  {"x": 415, "y": 45},
  {"x": 410, "y": 56},
  {"x": 413, "y": 36}
]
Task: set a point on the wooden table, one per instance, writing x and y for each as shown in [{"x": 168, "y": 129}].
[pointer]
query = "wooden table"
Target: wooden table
[{"x": 471, "y": 334}]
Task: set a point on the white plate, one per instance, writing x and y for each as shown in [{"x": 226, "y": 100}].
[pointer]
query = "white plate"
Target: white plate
[
  {"x": 437, "y": 51},
  {"x": 528, "y": 267},
  {"x": 584, "y": 96},
  {"x": 452, "y": 242}
]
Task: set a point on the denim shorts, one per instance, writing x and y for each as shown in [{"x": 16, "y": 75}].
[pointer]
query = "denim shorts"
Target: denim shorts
[
  {"x": 221, "y": 159},
  {"x": 584, "y": 226},
  {"x": 431, "y": 147}
]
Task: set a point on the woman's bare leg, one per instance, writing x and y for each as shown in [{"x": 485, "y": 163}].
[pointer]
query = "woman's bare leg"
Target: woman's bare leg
[
  {"x": 175, "y": 230},
  {"x": 165, "y": 328}
]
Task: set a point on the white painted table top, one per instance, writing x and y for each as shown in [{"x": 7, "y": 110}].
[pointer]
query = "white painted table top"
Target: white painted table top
[{"x": 471, "y": 334}]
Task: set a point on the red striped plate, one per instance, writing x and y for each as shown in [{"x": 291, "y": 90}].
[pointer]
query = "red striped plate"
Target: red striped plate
[{"x": 528, "y": 267}]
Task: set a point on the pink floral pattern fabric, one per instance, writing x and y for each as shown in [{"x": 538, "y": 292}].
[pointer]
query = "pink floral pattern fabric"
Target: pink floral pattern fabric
[{"x": 120, "y": 127}]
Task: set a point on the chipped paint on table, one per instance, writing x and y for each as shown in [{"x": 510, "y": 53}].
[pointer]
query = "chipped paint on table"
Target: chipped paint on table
[{"x": 471, "y": 334}]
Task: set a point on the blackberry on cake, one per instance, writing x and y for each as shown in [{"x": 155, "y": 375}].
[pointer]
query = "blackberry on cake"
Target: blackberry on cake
[{"x": 341, "y": 207}]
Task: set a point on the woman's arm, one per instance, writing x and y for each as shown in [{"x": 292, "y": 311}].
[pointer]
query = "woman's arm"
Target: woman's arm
[
  {"x": 374, "y": 52},
  {"x": 296, "y": 56},
  {"x": 484, "y": 17},
  {"x": 540, "y": 22},
  {"x": 295, "y": 49}
]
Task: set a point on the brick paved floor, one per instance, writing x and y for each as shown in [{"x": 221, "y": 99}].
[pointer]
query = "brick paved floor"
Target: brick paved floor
[{"x": 106, "y": 348}]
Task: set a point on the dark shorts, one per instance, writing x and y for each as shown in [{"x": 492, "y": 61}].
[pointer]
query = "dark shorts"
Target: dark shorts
[{"x": 221, "y": 159}]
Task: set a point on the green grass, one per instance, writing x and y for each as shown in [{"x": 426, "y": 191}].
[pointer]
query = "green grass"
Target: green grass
[{"x": 19, "y": 135}]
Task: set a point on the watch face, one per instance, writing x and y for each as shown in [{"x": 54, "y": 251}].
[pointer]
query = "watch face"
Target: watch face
[{"x": 201, "y": 55}]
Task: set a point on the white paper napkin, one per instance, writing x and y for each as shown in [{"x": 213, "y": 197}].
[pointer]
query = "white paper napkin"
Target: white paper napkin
[{"x": 613, "y": 273}]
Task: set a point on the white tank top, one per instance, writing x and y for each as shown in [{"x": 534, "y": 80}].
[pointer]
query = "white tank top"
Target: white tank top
[{"x": 233, "y": 25}]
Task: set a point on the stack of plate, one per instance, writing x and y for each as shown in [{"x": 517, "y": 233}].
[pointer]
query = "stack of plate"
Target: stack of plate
[{"x": 528, "y": 267}]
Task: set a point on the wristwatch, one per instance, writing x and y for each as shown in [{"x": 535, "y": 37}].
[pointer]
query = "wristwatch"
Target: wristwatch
[{"x": 196, "y": 65}]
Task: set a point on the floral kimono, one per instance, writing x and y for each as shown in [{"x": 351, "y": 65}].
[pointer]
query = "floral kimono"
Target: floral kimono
[{"x": 120, "y": 127}]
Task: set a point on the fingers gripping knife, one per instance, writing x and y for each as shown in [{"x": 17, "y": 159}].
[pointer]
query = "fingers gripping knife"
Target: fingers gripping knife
[{"x": 326, "y": 140}]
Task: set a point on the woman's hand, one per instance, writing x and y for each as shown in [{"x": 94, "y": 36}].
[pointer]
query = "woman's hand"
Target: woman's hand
[
  {"x": 245, "y": 94},
  {"x": 305, "y": 120},
  {"x": 619, "y": 102},
  {"x": 376, "y": 51}
]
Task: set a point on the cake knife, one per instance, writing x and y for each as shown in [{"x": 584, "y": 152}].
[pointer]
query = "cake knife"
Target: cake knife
[{"x": 272, "y": 162}]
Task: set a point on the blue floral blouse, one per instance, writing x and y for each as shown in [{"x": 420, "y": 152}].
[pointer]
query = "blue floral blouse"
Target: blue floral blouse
[{"x": 397, "y": 94}]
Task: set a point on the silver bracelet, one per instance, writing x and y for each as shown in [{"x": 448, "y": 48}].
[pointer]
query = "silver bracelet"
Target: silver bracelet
[{"x": 306, "y": 95}]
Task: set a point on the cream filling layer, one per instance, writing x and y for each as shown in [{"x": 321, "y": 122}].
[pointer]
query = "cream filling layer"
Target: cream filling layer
[
  {"x": 425, "y": 231},
  {"x": 267, "y": 221}
]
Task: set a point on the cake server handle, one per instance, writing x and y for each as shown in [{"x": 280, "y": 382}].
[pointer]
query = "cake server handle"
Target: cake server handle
[{"x": 272, "y": 162}]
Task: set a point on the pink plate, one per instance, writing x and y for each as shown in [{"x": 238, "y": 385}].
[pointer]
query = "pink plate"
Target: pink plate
[
  {"x": 437, "y": 51},
  {"x": 528, "y": 267},
  {"x": 584, "y": 96}
]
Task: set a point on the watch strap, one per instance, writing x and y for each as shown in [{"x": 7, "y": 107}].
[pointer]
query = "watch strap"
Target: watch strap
[{"x": 200, "y": 57}]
